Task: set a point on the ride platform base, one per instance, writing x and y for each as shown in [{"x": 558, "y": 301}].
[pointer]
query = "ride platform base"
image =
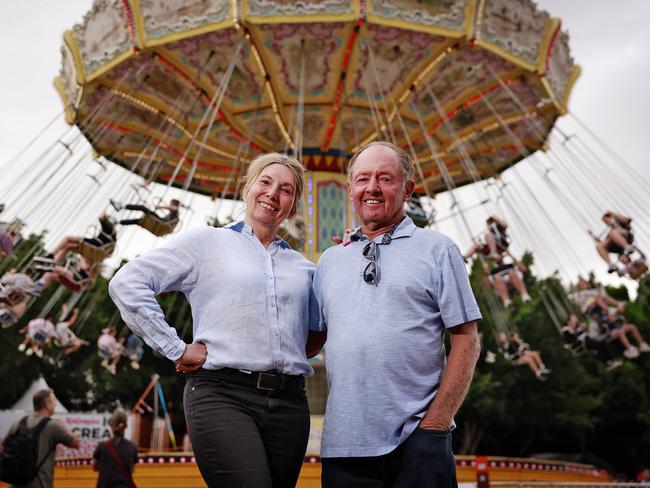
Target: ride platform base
[{"x": 179, "y": 470}]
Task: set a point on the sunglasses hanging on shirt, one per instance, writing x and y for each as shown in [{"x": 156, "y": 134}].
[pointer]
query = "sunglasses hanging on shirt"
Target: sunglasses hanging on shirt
[{"x": 371, "y": 252}]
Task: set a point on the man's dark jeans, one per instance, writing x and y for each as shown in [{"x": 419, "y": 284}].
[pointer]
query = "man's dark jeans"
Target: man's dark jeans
[
  {"x": 424, "y": 460},
  {"x": 245, "y": 437}
]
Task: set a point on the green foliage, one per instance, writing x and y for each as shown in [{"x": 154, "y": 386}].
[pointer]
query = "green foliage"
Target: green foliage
[
  {"x": 581, "y": 409},
  {"x": 79, "y": 381}
]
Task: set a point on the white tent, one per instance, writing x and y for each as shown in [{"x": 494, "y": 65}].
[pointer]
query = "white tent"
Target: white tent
[
  {"x": 25, "y": 402},
  {"x": 25, "y": 406}
]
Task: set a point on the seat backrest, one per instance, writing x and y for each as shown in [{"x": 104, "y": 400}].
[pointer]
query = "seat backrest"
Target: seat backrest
[
  {"x": 96, "y": 253},
  {"x": 12, "y": 295},
  {"x": 157, "y": 226},
  {"x": 72, "y": 285},
  {"x": 7, "y": 317},
  {"x": 638, "y": 270}
]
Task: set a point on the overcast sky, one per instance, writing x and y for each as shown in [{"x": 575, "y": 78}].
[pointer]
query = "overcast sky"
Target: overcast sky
[{"x": 610, "y": 43}]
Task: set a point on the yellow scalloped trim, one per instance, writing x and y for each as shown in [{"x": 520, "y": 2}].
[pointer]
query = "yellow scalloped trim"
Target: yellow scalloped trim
[
  {"x": 403, "y": 24},
  {"x": 506, "y": 55},
  {"x": 70, "y": 114},
  {"x": 550, "y": 93},
  {"x": 470, "y": 13},
  {"x": 110, "y": 65},
  {"x": 204, "y": 29},
  {"x": 71, "y": 41},
  {"x": 286, "y": 19},
  {"x": 575, "y": 74},
  {"x": 549, "y": 29},
  {"x": 141, "y": 33},
  {"x": 139, "y": 23}
]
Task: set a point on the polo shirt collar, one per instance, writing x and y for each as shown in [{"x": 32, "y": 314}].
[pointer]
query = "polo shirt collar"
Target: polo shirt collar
[
  {"x": 406, "y": 228},
  {"x": 243, "y": 227}
]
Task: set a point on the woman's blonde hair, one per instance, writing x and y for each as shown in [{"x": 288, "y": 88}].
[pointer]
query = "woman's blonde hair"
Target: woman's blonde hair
[{"x": 258, "y": 164}]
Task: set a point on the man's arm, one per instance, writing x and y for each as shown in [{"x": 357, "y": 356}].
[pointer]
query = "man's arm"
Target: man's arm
[
  {"x": 456, "y": 378},
  {"x": 63, "y": 436}
]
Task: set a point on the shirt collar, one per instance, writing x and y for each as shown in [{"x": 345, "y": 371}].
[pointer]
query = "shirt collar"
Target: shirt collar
[
  {"x": 243, "y": 227},
  {"x": 406, "y": 228}
]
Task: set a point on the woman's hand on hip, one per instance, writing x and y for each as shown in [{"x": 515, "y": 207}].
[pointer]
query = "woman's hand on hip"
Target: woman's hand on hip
[{"x": 193, "y": 358}]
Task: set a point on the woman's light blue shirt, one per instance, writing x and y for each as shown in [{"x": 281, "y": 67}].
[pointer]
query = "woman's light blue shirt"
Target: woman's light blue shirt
[{"x": 250, "y": 305}]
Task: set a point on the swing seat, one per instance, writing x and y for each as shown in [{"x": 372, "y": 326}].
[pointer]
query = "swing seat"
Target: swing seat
[
  {"x": 502, "y": 269},
  {"x": 157, "y": 226},
  {"x": 95, "y": 253},
  {"x": 7, "y": 317},
  {"x": 415, "y": 211},
  {"x": 638, "y": 270},
  {"x": 74, "y": 285},
  {"x": 40, "y": 263},
  {"x": 576, "y": 348},
  {"x": 12, "y": 296}
]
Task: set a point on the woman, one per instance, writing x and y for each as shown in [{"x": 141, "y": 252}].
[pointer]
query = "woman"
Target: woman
[
  {"x": 244, "y": 399},
  {"x": 116, "y": 458}
]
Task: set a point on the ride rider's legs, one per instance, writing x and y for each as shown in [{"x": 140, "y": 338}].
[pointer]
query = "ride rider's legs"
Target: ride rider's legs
[
  {"x": 501, "y": 288},
  {"x": 632, "y": 329},
  {"x": 517, "y": 282},
  {"x": 68, "y": 244}
]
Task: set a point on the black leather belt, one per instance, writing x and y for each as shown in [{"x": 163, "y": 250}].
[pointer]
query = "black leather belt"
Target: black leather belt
[{"x": 261, "y": 380}]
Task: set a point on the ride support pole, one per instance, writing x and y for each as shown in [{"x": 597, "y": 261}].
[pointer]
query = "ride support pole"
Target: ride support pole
[{"x": 482, "y": 474}]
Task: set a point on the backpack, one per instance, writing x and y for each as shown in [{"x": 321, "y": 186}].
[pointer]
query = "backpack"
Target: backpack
[{"x": 18, "y": 461}]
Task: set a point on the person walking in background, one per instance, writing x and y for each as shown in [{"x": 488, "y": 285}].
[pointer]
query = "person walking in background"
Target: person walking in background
[
  {"x": 115, "y": 459},
  {"x": 47, "y": 434}
]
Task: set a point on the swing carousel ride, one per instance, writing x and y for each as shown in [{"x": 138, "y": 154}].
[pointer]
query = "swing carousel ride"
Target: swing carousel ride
[
  {"x": 182, "y": 95},
  {"x": 185, "y": 94}
]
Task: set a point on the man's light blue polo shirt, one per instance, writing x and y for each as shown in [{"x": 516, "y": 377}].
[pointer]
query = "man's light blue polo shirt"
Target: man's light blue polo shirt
[
  {"x": 250, "y": 305},
  {"x": 385, "y": 350}
]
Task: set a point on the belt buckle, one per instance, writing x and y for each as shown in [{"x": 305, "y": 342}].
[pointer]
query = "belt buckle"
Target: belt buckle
[{"x": 260, "y": 380}]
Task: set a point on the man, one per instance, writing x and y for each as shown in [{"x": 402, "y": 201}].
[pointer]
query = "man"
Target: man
[
  {"x": 386, "y": 300},
  {"x": 52, "y": 433}
]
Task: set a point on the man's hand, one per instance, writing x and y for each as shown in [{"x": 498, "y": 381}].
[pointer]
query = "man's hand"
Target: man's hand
[
  {"x": 315, "y": 342},
  {"x": 346, "y": 237},
  {"x": 435, "y": 424},
  {"x": 76, "y": 443},
  {"x": 193, "y": 358}
]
